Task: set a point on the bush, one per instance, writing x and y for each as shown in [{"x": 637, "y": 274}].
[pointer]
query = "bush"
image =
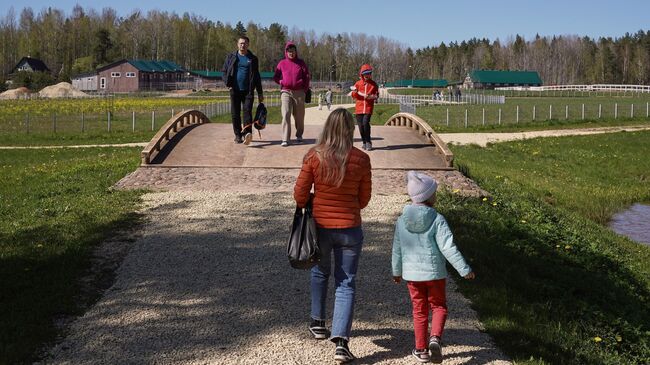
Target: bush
[{"x": 33, "y": 80}]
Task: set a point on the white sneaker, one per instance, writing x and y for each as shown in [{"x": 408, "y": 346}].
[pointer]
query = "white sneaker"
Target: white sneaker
[
  {"x": 248, "y": 138},
  {"x": 284, "y": 144}
]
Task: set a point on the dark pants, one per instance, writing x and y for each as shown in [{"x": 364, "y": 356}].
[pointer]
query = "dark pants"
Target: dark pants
[
  {"x": 237, "y": 100},
  {"x": 363, "y": 121}
]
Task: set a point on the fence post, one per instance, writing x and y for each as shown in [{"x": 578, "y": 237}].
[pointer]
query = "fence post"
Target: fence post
[
  {"x": 447, "y": 117},
  {"x": 465, "y": 118},
  {"x": 583, "y": 111},
  {"x": 534, "y": 112},
  {"x": 483, "y": 116},
  {"x": 109, "y": 120},
  {"x": 615, "y": 110},
  {"x": 550, "y": 111},
  {"x": 600, "y": 110},
  {"x": 173, "y": 112},
  {"x": 632, "y": 110},
  {"x": 153, "y": 118},
  {"x": 566, "y": 112},
  {"x": 499, "y": 116},
  {"x": 517, "y": 119},
  {"x": 133, "y": 121}
]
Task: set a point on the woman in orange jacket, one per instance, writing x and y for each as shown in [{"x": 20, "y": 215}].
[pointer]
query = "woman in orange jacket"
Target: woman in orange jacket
[
  {"x": 341, "y": 177},
  {"x": 365, "y": 92}
]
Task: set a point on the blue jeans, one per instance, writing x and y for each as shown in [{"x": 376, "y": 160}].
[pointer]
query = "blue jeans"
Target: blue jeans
[{"x": 346, "y": 245}]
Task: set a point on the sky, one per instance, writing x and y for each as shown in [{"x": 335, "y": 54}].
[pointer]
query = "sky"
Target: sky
[{"x": 415, "y": 24}]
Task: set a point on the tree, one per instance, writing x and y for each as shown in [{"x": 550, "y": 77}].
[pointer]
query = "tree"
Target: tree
[{"x": 102, "y": 47}]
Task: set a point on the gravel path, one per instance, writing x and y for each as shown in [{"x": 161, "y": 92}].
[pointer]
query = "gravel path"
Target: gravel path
[{"x": 208, "y": 282}]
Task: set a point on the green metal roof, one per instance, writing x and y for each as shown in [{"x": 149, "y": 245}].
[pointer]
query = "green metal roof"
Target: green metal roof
[
  {"x": 418, "y": 83},
  {"x": 156, "y": 66},
  {"x": 505, "y": 77},
  {"x": 210, "y": 74}
]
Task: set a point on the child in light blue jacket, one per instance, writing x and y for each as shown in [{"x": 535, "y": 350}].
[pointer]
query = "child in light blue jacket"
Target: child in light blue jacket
[{"x": 421, "y": 245}]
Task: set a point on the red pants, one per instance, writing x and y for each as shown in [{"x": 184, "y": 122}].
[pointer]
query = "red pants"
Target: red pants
[{"x": 427, "y": 295}]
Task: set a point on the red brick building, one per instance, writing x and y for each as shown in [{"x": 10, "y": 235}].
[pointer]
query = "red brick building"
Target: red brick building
[{"x": 139, "y": 75}]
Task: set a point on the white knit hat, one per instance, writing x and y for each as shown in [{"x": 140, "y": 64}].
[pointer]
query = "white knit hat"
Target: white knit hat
[{"x": 420, "y": 187}]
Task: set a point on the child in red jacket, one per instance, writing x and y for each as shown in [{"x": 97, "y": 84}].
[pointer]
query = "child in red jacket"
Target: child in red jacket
[{"x": 365, "y": 92}]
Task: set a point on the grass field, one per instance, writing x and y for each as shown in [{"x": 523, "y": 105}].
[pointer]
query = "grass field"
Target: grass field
[
  {"x": 55, "y": 207},
  {"x": 555, "y": 285}
]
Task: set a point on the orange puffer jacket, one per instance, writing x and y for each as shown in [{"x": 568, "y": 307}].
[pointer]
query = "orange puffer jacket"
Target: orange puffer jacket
[{"x": 336, "y": 207}]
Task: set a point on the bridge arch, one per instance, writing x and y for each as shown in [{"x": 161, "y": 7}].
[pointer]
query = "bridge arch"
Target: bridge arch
[
  {"x": 173, "y": 126},
  {"x": 423, "y": 128}
]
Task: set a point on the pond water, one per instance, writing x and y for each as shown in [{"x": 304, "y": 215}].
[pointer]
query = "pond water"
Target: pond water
[{"x": 633, "y": 223}]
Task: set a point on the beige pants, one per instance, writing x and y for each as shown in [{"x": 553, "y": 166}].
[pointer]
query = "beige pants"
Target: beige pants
[{"x": 293, "y": 103}]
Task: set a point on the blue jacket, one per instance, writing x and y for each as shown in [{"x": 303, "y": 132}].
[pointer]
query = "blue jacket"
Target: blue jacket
[{"x": 421, "y": 244}]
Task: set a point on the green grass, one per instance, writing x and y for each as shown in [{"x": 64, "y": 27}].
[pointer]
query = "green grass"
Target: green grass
[
  {"x": 552, "y": 279},
  {"x": 55, "y": 205}
]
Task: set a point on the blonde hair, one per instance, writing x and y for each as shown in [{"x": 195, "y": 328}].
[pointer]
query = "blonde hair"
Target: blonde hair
[{"x": 334, "y": 145}]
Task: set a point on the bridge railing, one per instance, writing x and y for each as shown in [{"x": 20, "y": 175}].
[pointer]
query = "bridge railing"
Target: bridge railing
[
  {"x": 423, "y": 128},
  {"x": 174, "y": 125}
]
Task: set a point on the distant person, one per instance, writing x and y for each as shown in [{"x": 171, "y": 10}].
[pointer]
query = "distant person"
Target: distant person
[
  {"x": 341, "y": 178},
  {"x": 422, "y": 244},
  {"x": 241, "y": 75},
  {"x": 328, "y": 98},
  {"x": 365, "y": 92},
  {"x": 320, "y": 101},
  {"x": 293, "y": 76}
]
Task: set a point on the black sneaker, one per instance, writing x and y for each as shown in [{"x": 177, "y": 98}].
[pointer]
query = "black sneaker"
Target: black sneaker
[
  {"x": 318, "y": 329},
  {"x": 342, "y": 353},
  {"x": 435, "y": 349},
  {"x": 238, "y": 140},
  {"x": 421, "y": 355},
  {"x": 369, "y": 146}
]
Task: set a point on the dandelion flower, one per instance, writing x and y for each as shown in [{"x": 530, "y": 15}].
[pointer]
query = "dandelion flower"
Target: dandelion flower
[
  {"x": 567, "y": 247},
  {"x": 523, "y": 221},
  {"x": 456, "y": 191},
  {"x": 484, "y": 199},
  {"x": 597, "y": 339},
  {"x": 618, "y": 338},
  {"x": 494, "y": 204}
]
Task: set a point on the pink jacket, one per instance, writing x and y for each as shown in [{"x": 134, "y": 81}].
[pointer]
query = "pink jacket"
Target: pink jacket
[{"x": 292, "y": 74}]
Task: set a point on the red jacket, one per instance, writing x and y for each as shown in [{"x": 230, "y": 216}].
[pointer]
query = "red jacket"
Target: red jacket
[
  {"x": 336, "y": 207},
  {"x": 364, "y": 105}
]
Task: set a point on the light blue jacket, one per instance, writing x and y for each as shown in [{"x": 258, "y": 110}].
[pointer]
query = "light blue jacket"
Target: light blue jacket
[{"x": 421, "y": 244}]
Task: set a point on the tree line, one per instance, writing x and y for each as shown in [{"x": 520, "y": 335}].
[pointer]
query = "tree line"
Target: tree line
[{"x": 86, "y": 38}]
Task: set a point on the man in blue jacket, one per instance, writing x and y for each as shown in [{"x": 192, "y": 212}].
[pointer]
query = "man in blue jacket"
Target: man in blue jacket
[{"x": 241, "y": 75}]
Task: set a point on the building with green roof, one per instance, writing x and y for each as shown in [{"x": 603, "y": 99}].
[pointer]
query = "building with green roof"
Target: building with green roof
[
  {"x": 429, "y": 83},
  {"x": 139, "y": 75},
  {"x": 489, "y": 79}
]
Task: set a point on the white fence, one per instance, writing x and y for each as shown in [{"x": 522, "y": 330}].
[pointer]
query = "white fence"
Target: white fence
[{"x": 594, "y": 88}]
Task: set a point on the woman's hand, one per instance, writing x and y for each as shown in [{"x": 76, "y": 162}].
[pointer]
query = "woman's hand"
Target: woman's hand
[
  {"x": 470, "y": 276},
  {"x": 397, "y": 279}
]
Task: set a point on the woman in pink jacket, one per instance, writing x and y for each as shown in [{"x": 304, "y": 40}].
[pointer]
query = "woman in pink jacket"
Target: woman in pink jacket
[{"x": 293, "y": 76}]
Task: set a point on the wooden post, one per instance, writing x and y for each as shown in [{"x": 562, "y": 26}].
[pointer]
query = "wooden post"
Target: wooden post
[
  {"x": 517, "y": 119},
  {"x": 483, "y": 116},
  {"x": 109, "y": 120},
  {"x": 583, "y": 111},
  {"x": 465, "y": 118},
  {"x": 566, "y": 112},
  {"x": 632, "y": 110},
  {"x": 550, "y": 111},
  {"x": 499, "y": 116},
  {"x": 615, "y": 110},
  {"x": 600, "y": 110},
  {"x": 447, "y": 117},
  {"x": 133, "y": 121},
  {"x": 534, "y": 112}
]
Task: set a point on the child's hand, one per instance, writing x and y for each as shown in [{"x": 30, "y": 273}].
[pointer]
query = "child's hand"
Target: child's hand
[
  {"x": 470, "y": 276},
  {"x": 397, "y": 279}
]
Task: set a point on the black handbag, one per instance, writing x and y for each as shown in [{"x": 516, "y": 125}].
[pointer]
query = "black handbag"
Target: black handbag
[
  {"x": 308, "y": 96},
  {"x": 303, "y": 250}
]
